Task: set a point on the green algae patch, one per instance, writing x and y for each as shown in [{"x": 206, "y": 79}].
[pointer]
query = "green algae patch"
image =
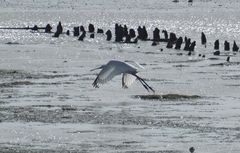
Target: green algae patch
[{"x": 167, "y": 97}]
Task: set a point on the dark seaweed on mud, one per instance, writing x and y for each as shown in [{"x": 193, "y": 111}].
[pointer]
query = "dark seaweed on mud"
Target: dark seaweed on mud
[
  {"x": 226, "y": 64},
  {"x": 32, "y": 150},
  {"x": 14, "y": 78},
  {"x": 15, "y": 83},
  {"x": 25, "y": 83},
  {"x": 19, "y": 74},
  {"x": 167, "y": 97},
  {"x": 231, "y": 77}
]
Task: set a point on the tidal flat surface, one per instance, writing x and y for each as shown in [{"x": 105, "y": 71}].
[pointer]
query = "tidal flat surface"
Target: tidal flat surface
[{"x": 48, "y": 104}]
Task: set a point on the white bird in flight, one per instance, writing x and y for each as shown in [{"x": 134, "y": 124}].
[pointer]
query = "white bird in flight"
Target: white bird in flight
[{"x": 129, "y": 69}]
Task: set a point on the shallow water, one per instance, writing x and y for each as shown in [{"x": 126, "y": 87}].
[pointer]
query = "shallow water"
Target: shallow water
[{"x": 48, "y": 103}]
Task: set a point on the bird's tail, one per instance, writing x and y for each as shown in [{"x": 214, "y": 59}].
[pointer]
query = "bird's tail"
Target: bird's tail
[
  {"x": 95, "y": 83},
  {"x": 145, "y": 85}
]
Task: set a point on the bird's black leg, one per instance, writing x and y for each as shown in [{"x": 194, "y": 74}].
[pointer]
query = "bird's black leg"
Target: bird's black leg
[
  {"x": 149, "y": 86},
  {"x": 146, "y": 86}
]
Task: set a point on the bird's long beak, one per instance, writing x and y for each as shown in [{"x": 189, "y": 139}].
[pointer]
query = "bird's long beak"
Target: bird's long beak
[{"x": 97, "y": 68}]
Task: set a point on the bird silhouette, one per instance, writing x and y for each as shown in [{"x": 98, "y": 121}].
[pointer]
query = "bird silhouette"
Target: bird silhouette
[{"x": 129, "y": 69}]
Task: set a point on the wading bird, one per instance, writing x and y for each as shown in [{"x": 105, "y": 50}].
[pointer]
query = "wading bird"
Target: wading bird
[{"x": 129, "y": 69}]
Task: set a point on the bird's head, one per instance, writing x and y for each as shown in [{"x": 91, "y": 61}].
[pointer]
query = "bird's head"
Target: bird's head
[{"x": 101, "y": 67}]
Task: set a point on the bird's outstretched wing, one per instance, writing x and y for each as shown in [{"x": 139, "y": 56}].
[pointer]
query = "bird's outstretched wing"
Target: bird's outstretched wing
[
  {"x": 134, "y": 64},
  {"x": 127, "y": 80},
  {"x": 106, "y": 74}
]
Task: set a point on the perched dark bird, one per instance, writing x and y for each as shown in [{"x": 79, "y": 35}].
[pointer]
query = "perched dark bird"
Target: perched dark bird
[
  {"x": 82, "y": 29},
  {"x": 217, "y": 53},
  {"x": 179, "y": 43},
  {"x": 191, "y": 149},
  {"x": 132, "y": 33},
  {"x": 156, "y": 35},
  {"x": 203, "y": 39},
  {"x": 91, "y": 28},
  {"x": 100, "y": 30},
  {"x": 216, "y": 45},
  {"x": 83, "y": 35},
  {"x": 48, "y": 28},
  {"x": 187, "y": 43},
  {"x": 68, "y": 32},
  {"x": 140, "y": 32},
  {"x": 92, "y": 35},
  {"x": 76, "y": 31},
  {"x": 144, "y": 33},
  {"x": 172, "y": 37},
  {"x": 192, "y": 46},
  {"x": 228, "y": 59},
  {"x": 226, "y": 46},
  {"x": 165, "y": 34},
  {"x": 59, "y": 30},
  {"x": 109, "y": 35},
  {"x": 59, "y": 27},
  {"x": 235, "y": 47},
  {"x": 119, "y": 33}
]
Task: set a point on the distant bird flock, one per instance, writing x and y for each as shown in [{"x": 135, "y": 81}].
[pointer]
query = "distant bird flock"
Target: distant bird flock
[{"x": 125, "y": 35}]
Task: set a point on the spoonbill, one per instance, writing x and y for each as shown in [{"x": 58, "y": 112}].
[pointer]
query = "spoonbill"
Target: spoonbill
[{"x": 129, "y": 69}]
